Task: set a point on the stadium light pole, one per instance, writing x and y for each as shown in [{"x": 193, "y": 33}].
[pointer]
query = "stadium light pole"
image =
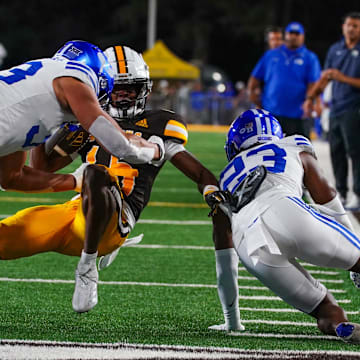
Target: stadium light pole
[{"x": 151, "y": 25}]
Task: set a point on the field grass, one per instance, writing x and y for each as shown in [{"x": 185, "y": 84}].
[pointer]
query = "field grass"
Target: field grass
[{"x": 157, "y": 294}]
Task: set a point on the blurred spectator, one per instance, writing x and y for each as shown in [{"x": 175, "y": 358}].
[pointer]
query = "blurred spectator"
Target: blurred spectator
[
  {"x": 162, "y": 96},
  {"x": 325, "y": 110},
  {"x": 342, "y": 66},
  {"x": 281, "y": 79},
  {"x": 183, "y": 98},
  {"x": 198, "y": 100},
  {"x": 274, "y": 37},
  {"x": 241, "y": 102},
  {"x": 3, "y": 54}
]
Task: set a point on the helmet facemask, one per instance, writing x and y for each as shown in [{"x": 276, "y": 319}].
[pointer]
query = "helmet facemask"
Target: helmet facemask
[{"x": 128, "y": 100}]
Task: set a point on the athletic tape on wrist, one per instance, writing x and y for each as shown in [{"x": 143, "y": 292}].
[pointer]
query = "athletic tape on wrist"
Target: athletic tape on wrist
[{"x": 208, "y": 189}]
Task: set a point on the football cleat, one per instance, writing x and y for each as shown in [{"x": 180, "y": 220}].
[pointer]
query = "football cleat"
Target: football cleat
[
  {"x": 225, "y": 327},
  {"x": 348, "y": 332},
  {"x": 85, "y": 294},
  {"x": 355, "y": 278}
]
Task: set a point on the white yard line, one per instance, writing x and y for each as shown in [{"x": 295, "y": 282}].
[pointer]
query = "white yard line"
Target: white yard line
[
  {"x": 284, "y": 310},
  {"x": 188, "y": 247},
  {"x": 321, "y": 280},
  {"x": 38, "y": 349},
  {"x": 276, "y": 322},
  {"x": 310, "y": 271},
  {"x": 174, "y": 222},
  {"x": 275, "y": 298},
  {"x": 119, "y": 283}
]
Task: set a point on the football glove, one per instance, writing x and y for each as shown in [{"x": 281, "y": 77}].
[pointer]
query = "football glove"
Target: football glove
[
  {"x": 214, "y": 197},
  {"x": 67, "y": 140}
]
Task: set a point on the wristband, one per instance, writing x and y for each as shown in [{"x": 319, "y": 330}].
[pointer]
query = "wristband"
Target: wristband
[{"x": 208, "y": 189}]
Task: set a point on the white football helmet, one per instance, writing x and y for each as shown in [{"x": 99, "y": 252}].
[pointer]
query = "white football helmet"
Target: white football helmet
[{"x": 131, "y": 72}]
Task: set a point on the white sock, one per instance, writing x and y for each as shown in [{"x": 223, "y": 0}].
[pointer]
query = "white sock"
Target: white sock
[
  {"x": 227, "y": 263},
  {"x": 86, "y": 260}
]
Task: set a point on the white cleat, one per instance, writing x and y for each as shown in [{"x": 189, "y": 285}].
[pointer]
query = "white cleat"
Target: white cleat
[
  {"x": 348, "y": 332},
  {"x": 355, "y": 278},
  {"x": 225, "y": 327},
  {"x": 85, "y": 294}
]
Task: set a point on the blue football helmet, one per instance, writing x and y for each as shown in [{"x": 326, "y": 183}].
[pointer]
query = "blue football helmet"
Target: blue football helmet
[
  {"x": 251, "y": 127},
  {"x": 92, "y": 56}
]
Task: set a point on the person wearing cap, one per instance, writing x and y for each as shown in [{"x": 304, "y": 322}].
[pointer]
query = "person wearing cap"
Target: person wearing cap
[
  {"x": 281, "y": 79},
  {"x": 342, "y": 67}
]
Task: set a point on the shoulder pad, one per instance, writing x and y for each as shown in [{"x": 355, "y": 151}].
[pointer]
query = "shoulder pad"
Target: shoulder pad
[
  {"x": 301, "y": 142},
  {"x": 176, "y": 129}
]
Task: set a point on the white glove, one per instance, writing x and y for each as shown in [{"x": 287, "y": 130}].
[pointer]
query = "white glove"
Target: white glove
[
  {"x": 159, "y": 141},
  {"x": 78, "y": 175}
]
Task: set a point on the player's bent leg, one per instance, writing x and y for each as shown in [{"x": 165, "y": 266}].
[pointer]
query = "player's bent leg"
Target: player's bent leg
[
  {"x": 332, "y": 320},
  {"x": 36, "y": 230},
  {"x": 98, "y": 208},
  {"x": 329, "y": 315}
]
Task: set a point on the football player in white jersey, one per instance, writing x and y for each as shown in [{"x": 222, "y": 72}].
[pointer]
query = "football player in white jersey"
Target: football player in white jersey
[
  {"x": 271, "y": 225},
  {"x": 38, "y": 96},
  {"x": 114, "y": 193}
]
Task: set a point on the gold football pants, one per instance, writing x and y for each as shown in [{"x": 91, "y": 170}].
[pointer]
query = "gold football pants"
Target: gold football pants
[{"x": 59, "y": 228}]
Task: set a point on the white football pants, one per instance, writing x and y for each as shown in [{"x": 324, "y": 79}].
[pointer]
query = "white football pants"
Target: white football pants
[{"x": 303, "y": 233}]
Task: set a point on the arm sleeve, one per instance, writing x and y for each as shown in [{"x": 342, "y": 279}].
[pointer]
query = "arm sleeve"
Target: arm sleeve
[
  {"x": 172, "y": 148},
  {"x": 117, "y": 144}
]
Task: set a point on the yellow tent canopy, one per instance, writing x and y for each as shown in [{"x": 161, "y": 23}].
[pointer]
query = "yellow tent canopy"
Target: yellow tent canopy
[{"x": 164, "y": 64}]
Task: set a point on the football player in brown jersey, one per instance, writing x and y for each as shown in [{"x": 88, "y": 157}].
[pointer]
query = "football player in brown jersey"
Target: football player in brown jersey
[{"x": 114, "y": 192}]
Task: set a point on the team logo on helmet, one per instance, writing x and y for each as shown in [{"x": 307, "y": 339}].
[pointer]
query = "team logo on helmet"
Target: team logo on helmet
[
  {"x": 75, "y": 51},
  {"x": 251, "y": 127},
  {"x": 248, "y": 128}
]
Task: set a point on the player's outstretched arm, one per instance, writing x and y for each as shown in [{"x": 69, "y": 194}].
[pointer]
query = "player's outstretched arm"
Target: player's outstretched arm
[
  {"x": 81, "y": 100},
  {"x": 193, "y": 169},
  {"x": 14, "y": 175}
]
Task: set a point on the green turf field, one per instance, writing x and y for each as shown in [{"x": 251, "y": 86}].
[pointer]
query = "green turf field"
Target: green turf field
[{"x": 163, "y": 294}]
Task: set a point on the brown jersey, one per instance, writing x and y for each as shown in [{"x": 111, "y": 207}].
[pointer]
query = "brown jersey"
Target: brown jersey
[{"x": 137, "y": 179}]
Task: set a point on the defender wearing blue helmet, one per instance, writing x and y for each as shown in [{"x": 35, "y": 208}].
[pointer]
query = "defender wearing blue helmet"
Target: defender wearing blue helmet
[
  {"x": 271, "y": 226},
  {"x": 251, "y": 127},
  {"x": 40, "y": 95},
  {"x": 95, "y": 61}
]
